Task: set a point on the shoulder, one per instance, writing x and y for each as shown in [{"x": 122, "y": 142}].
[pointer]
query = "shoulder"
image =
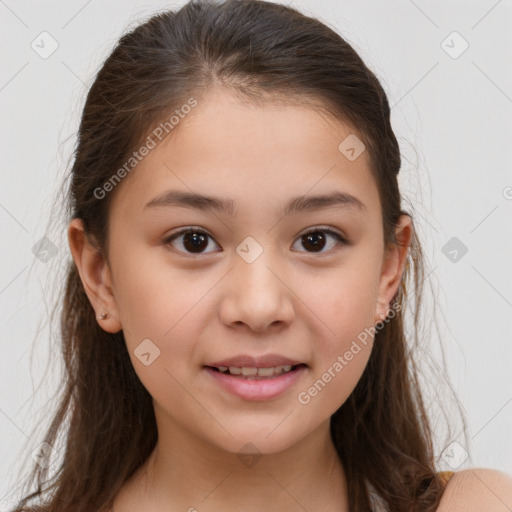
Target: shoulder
[{"x": 477, "y": 489}]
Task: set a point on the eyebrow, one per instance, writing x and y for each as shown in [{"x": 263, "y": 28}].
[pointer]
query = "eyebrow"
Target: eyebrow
[{"x": 340, "y": 200}]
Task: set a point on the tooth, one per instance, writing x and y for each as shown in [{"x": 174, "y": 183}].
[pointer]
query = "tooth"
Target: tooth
[
  {"x": 249, "y": 371},
  {"x": 266, "y": 372}
]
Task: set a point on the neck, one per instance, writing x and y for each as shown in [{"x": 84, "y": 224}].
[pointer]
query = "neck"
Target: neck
[{"x": 193, "y": 475}]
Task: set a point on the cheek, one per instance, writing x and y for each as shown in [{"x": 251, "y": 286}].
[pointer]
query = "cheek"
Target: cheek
[
  {"x": 340, "y": 358},
  {"x": 154, "y": 297},
  {"x": 343, "y": 308},
  {"x": 344, "y": 302},
  {"x": 166, "y": 306}
]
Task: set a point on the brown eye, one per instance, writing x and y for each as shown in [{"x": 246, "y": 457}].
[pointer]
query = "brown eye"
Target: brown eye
[
  {"x": 316, "y": 240},
  {"x": 194, "y": 241}
]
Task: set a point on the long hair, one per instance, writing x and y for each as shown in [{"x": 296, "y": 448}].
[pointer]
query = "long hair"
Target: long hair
[{"x": 262, "y": 52}]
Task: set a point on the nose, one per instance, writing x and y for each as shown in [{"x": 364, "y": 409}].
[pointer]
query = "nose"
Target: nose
[{"x": 257, "y": 295}]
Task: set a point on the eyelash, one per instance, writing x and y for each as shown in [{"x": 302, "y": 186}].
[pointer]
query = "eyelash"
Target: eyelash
[{"x": 318, "y": 229}]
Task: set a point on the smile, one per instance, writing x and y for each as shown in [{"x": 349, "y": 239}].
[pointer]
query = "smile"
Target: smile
[
  {"x": 255, "y": 373},
  {"x": 257, "y": 384}
]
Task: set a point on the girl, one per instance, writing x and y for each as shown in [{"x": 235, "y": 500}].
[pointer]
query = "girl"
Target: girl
[{"x": 232, "y": 323}]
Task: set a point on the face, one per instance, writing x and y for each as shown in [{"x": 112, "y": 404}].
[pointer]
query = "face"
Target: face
[{"x": 195, "y": 286}]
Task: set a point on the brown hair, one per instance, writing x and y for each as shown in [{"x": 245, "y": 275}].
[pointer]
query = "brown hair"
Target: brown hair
[{"x": 262, "y": 52}]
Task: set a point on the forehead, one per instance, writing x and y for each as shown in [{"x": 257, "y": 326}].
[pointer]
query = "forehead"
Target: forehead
[{"x": 252, "y": 153}]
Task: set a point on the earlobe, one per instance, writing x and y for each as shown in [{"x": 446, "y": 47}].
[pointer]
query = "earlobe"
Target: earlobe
[
  {"x": 395, "y": 259},
  {"x": 95, "y": 276}
]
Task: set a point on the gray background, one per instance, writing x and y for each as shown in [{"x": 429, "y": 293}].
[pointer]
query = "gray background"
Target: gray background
[{"x": 451, "y": 113}]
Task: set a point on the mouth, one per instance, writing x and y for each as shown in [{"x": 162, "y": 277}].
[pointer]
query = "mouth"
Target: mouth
[
  {"x": 257, "y": 373},
  {"x": 256, "y": 383}
]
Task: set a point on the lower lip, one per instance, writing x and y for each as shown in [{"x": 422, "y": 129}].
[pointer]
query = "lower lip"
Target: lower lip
[{"x": 257, "y": 389}]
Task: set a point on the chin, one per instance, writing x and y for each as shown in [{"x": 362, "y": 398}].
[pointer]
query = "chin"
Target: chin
[{"x": 269, "y": 439}]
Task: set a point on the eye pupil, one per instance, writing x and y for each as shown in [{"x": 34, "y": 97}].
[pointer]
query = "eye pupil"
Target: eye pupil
[
  {"x": 314, "y": 238},
  {"x": 195, "y": 239}
]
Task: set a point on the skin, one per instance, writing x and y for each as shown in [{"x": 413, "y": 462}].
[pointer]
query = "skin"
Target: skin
[
  {"x": 197, "y": 308},
  {"x": 477, "y": 489}
]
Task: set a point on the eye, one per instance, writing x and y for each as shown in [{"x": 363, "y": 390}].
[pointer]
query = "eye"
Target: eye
[
  {"x": 316, "y": 238},
  {"x": 194, "y": 240}
]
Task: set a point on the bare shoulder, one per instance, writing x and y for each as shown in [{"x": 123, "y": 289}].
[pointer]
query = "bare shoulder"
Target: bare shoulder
[{"x": 477, "y": 489}]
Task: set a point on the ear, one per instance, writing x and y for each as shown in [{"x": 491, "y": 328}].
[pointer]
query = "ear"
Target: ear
[
  {"x": 393, "y": 265},
  {"x": 95, "y": 276}
]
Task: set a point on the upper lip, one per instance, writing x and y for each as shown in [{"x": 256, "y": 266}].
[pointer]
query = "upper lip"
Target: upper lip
[{"x": 247, "y": 361}]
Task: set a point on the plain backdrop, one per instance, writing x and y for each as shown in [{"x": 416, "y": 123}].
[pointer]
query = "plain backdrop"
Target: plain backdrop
[{"x": 446, "y": 69}]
